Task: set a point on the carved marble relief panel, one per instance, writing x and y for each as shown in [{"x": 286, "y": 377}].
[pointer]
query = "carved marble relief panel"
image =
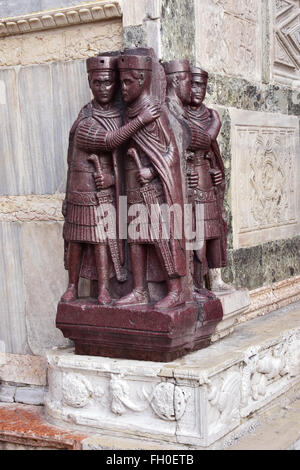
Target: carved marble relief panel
[
  {"x": 286, "y": 41},
  {"x": 267, "y": 373},
  {"x": 228, "y": 37},
  {"x": 265, "y": 177}
]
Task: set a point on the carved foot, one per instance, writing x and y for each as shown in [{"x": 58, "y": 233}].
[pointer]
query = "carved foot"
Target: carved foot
[
  {"x": 172, "y": 300},
  {"x": 222, "y": 287},
  {"x": 70, "y": 294},
  {"x": 202, "y": 295},
  {"x": 135, "y": 297},
  {"x": 104, "y": 297},
  {"x": 217, "y": 283}
]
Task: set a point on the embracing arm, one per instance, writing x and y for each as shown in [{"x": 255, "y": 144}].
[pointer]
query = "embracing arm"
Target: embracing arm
[{"x": 92, "y": 137}]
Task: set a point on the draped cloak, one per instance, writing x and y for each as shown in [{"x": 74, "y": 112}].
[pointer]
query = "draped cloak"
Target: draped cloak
[{"x": 157, "y": 142}]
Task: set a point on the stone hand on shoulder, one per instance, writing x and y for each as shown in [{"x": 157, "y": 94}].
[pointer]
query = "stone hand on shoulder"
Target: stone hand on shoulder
[{"x": 151, "y": 113}]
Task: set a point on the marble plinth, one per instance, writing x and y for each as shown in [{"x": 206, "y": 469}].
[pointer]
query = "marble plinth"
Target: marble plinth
[
  {"x": 191, "y": 402},
  {"x": 234, "y": 304}
]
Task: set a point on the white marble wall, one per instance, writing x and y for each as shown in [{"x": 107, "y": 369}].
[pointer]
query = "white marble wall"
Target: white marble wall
[
  {"x": 41, "y": 102},
  {"x": 12, "y": 324},
  {"x": 228, "y": 37},
  {"x": 43, "y": 86},
  {"x": 32, "y": 279}
]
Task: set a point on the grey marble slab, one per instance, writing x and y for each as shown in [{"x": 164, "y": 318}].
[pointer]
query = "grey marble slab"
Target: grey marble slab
[
  {"x": 45, "y": 280},
  {"x": 11, "y": 158},
  {"x": 70, "y": 92},
  {"x": 12, "y": 307},
  {"x": 39, "y": 106}
]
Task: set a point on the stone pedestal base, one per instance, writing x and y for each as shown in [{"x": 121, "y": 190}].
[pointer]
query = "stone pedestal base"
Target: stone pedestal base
[
  {"x": 138, "y": 332},
  {"x": 192, "y": 402},
  {"x": 234, "y": 304}
]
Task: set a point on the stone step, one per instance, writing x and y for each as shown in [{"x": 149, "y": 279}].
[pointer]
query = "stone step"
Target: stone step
[
  {"x": 281, "y": 431},
  {"x": 24, "y": 427}
]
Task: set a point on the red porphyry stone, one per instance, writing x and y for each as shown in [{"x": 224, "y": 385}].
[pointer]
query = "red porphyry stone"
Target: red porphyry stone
[{"x": 26, "y": 425}]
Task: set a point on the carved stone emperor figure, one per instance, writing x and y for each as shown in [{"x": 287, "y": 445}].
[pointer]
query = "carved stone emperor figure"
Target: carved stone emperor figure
[
  {"x": 152, "y": 176},
  {"x": 207, "y": 179},
  {"x": 93, "y": 182},
  {"x": 145, "y": 308}
]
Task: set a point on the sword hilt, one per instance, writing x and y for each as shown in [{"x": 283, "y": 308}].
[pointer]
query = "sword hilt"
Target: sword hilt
[
  {"x": 95, "y": 160},
  {"x": 134, "y": 154}
]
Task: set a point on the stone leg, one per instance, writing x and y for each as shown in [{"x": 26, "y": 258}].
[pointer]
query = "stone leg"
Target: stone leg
[
  {"x": 175, "y": 296},
  {"x": 139, "y": 295},
  {"x": 216, "y": 282},
  {"x": 75, "y": 255},
  {"x": 102, "y": 264},
  {"x": 200, "y": 292}
]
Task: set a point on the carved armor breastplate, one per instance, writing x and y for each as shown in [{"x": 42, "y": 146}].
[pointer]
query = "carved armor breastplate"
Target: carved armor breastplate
[{"x": 202, "y": 167}]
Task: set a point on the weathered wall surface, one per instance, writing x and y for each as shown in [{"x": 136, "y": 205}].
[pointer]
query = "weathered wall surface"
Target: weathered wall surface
[
  {"x": 260, "y": 134},
  {"x": 251, "y": 50},
  {"x": 43, "y": 85},
  {"x": 228, "y": 36}
]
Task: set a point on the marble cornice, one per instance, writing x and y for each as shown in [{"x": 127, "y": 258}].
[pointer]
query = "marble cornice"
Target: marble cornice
[{"x": 80, "y": 14}]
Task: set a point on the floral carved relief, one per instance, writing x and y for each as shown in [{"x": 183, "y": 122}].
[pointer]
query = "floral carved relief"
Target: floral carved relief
[{"x": 264, "y": 177}]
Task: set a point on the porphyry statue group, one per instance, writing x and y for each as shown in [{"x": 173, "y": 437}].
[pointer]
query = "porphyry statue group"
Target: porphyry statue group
[{"x": 147, "y": 136}]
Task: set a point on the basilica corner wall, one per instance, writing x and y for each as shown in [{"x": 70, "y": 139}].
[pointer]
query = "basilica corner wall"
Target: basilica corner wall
[
  {"x": 43, "y": 48},
  {"x": 251, "y": 51}
]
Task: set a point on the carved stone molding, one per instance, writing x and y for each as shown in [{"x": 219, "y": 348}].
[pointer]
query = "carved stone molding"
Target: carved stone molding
[
  {"x": 269, "y": 298},
  {"x": 79, "y": 14},
  {"x": 268, "y": 372},
  {"x": 31, "y": 208},
  {"x": 76, "y": 390},
  {"x": 121, "y": 400},
  {"x": 169, "y": 401},
  {"x": 224, "y": 399}
]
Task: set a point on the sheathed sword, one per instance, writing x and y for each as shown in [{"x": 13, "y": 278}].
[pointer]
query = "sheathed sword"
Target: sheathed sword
[
  {"x": 111, "y": 234},
  {"x": 154, "y": 213}
]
